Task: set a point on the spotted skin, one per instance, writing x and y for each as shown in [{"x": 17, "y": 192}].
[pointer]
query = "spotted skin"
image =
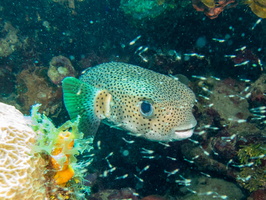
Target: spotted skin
[{"x": 119, "y": 91}]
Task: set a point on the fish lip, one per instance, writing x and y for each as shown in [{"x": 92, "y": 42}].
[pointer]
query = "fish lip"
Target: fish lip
[
  {"x": 185, "y": 130},
  {"x": 181, "y": 134}
]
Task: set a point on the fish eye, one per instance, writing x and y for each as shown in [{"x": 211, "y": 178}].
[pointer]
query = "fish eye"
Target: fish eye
[{"x": 146, "y": 109}]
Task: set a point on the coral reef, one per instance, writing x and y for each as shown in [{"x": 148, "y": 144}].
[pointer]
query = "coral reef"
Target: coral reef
[
  {"x": 146, "y": 10},
  {"x": 142, "y": 9},
  {"x": 229, "y": 107},
  {"x": 209, "y": 163},
  {"x": 258, "y": 7},
  {"x": 204, "y": 188},
  {"x": 253, "y": 158},
  {"x": 222, "y": 144},
  {"x": 257, "y": 195},
  {"x": 33, "y": 87},
  {"x": 258, "y": 97},
  {"x": 123, "y": 193},
  {"x": 211, "y": 8},
  {"x": 61, "y": 146},
  {"x": 153, "y": 197},
  {"x": 38, "y": 160},
  {"x": 21, "y": 170},
  {"x": 224, "y": 57},
  {"x": 60, "y": 67},
  {"x": 9, "y": 41}
]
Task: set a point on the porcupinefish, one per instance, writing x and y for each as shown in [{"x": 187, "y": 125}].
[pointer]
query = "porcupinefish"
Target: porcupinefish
[{"x": 128, "y": 97}]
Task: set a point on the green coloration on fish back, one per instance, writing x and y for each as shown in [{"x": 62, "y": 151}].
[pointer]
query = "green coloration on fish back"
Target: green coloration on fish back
[{"x": 143, "y": 102}]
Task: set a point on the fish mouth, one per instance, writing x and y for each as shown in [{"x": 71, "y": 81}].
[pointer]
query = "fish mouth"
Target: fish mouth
[
  {"x": 181, "y": 134},
  {"x": 184, "y": 130}
]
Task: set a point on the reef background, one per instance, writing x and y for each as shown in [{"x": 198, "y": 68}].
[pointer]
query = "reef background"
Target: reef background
[{"x": 43, "y": 41}]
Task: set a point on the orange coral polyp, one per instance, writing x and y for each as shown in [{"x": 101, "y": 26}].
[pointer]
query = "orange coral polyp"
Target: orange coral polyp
[
  {"x": 59, "y": 160},
  {"x": 57, "y": 151},
  {"x": 63, "y": 176}
]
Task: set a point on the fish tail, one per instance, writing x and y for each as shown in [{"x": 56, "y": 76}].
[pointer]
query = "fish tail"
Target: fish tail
[{"x": 79, "y": 101}]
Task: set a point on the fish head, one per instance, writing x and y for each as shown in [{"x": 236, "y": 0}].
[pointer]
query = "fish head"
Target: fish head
[{"x": 164, "y": 118}]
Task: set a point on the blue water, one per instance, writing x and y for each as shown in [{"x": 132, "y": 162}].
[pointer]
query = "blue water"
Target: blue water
[{"x": 223, "y": 59}]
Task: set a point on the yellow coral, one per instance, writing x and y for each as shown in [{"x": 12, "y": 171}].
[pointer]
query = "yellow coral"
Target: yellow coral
[
  {"x": 258, "y": 7},
  {"x": 208, "y": 3}
]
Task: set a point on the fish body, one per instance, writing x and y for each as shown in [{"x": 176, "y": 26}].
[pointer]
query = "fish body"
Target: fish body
[{"x": 128, "y": 97}]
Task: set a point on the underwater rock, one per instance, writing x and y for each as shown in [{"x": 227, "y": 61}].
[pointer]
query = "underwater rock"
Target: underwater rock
[
  {"x": 124, "y": 193},
  {"x": 153, "y": 197},
  {"x": 93, "y": 58},
  {"x": 244, "y": 130},
  {"x": 208, "y": 163},
  {"x": 258, "y": 195},
  {"x": 204, "y": 188},
  {"x": 60, "y": 67},
  {"x": 226, "y": 125},
  {"x": 9, "y": 41},
  {"x": 33, "y": 87},
  {"x": 258, "y": 90},
  {"x": 229, "y": 108}
]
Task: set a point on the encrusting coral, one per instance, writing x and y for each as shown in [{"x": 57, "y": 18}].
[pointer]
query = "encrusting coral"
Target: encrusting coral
[{"x": 37, "y": 159}]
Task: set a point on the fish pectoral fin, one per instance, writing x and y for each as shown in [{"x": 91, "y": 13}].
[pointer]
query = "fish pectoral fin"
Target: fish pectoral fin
[
  {"x": 79, "y": 100},
  {"x": 102, "y": 104}
]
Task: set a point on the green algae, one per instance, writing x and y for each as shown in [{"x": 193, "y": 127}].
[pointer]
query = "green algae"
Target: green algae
[
  {"x": 252, "y": 152},
  {"x": 253, "y": 173}
]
